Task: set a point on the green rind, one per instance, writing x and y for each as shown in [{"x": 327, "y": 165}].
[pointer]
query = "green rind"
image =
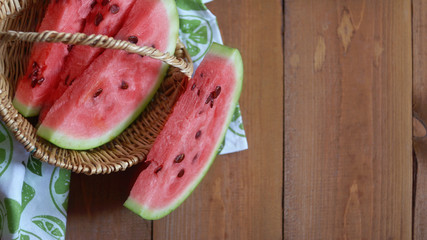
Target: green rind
[
  {"x": 68, "y": 142},
  {"x": 154, "y": 214},
  {"x": 25, "y": 110}
]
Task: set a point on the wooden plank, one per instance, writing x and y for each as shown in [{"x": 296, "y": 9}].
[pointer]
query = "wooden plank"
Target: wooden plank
[
  {"x": 96, "y": 208},
  {"x": 241, "y": 196},
  {"x": 348, "y": 149},
  {"x": 420, "y": 108}
]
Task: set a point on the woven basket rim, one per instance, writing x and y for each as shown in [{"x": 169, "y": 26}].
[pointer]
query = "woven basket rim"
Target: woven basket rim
[{"x": 110, "y": 157}]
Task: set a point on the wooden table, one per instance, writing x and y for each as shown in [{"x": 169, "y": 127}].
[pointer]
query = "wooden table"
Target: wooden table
[{"x": 330, "y": 91}]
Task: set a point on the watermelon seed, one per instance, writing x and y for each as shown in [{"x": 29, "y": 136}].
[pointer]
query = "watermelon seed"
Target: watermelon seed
[
  {"x": 92, "y": 5},
  {"x": 69, "y": 47},
  {"x": 33, "y": 83},
  {"x": 209, "y": 99},
  {"x": 35, "y": 65},
  {"x": 144, "y": 165},
  {"x": 133, "y": 39},
  {"x": 124, "y": 85},
  {"x": 201, "y": 74},
  {"x": 98, "y": 19},
  {"x": 97, "y": 93},
  {"x": 181, "y": 173},
  {"x": 212, "y": 103},
  {"x": 179, "y": 158},
  {"x": 153, "y": 46},
  {"x": 216, "y": 92},
  {"x": 105, "y": 2},
  {"x": 198, "y": 92},
  {"x": 66, "y": 79},
  {"x": 201, "y": 111},
  {"x": 114, "y": 9},
  {"x": 198, "y": 134},
  {"x": 40, "y": 81},
  {"x": 158, "y": 169},
  {"x": 71, "y": 82},
  {"x": 193, "y": 86}
]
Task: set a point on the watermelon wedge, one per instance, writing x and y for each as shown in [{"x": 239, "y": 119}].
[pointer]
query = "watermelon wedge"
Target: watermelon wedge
[
  {"x": 47, "y": 59},
  {"x": 117, "y": 86},
  {"x": 106, "y": 18},
  {"x": 188, "y": 143}
]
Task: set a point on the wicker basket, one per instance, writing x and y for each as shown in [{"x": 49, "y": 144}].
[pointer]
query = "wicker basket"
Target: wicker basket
[{"x": 130, "y": 147}]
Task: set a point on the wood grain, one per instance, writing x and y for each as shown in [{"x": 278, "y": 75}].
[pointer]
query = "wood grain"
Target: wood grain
[
  {"x": 348, "y": 152},
  {"x": 241, "y": 196},
  {"x": 420, "y": 108},
  {"x": 96, "y": 209}
]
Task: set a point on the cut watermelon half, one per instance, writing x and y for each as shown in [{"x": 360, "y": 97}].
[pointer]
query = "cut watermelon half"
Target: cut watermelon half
[
  {"x": 106, "y": 18},
  {"x": 47, "y": 59},
  {"x": 189, "y": 141},
  {"x": 117, "y": 86}
]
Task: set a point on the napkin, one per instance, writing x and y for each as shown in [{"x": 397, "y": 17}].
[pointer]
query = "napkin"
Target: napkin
[{"x": 34, "y": 194}]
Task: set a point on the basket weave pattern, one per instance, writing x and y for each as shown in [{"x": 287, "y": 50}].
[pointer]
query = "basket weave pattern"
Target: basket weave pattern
[{"x": 131, "y": 146}]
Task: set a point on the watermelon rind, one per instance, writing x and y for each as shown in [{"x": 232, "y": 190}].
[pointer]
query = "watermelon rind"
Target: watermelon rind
[
  {"x": 24, "y": 109},
  {"x": 66, "y": 141},
  {"x": 145, "y": 212}
]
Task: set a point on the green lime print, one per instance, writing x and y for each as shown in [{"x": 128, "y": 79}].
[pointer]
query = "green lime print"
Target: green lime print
[
  {"x": 26, "y": 235},
  {"x": 6, "y": 148},
  {"x": 14, "y": 212},
  {"x": 2, "y": 218},
  {"x": 236, "y": 114},
  {"x": 34, "y": 165},
  {"x": 190, "y": 4},
  {"x": 235, "y": 126},
  {"x": 51, "y": 225},
  {"x": 196, "y": 33},
  {"x": 14, "y": 209},
  {"x": 59, "y": 187}
]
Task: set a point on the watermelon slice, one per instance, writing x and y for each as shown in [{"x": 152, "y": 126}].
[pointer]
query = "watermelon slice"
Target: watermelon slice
[
  {"x": 106, "y": 18},
  {"x": 117, "y": 86},
  {"x": 47, "y": 59},
  {"x": 188, "y": 143}
]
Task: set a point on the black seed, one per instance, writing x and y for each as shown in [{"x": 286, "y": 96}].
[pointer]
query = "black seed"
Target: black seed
[
  {"x": 133, "y": 39},
  {"x": 97, "y": 93},
  {"x": 179, "y": 158},
  {"x": 33, "y": 83},
  {"x": 158, "y": 169},
  {"x": 35, "y": 65},
  {"x": 216, "y": 92},
  {"x": 193, "y": 86},
  {"x": 124, "y": 85},
  {"x": 69, "y": 47},
  {"x": 201, "y": 74},
  {"x": 71, "y": 82},
  {"x": 98, "y": 19},
  {"x": 66, "y": 79},
  {"x": 105, "y": 2},
  {"x": 212, "y": 103},
  {"x": 153, "y": 46},
  {"x": 209, "y": 99},
  {"x": 92, "y": 5},
  {"x": 114, "y": 9},
  {"x": 181, "y": 173},
  {"x": 198, "y": 133},
  {"x": 40, "y": 81},
  {"x": 144, "y": 165},
  {"x": 198, "y": 92}
]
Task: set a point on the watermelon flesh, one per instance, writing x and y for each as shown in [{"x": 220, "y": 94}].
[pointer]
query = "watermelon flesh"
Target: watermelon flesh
[
  {"x": 188, "y": 143},
  {"x": 106, "y": 18},
  {"x": 117, "y": 86},
  {"x": 47, "y": 59}
]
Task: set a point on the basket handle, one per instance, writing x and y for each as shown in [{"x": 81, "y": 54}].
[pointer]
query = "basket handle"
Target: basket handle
[{"x": 100, "y": 41}]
